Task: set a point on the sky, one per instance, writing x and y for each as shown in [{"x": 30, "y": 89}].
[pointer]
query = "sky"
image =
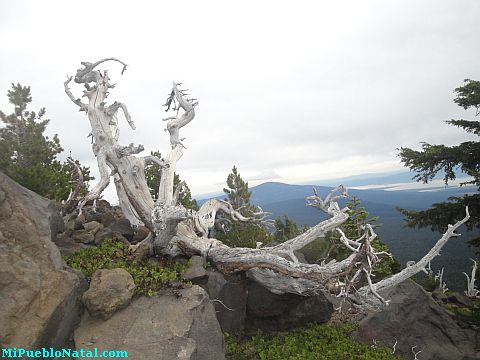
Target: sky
[{"x": 288, "y": 91}]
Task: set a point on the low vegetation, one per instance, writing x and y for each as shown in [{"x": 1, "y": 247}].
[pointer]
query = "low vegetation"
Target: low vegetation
[
  {"x": 319, "y": 342},
  {"x": 148, "y": 277}
]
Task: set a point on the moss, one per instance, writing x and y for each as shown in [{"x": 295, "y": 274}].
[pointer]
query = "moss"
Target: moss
[
  {"x": 319, "y": 342},
  {"x": 110, "y": 254}
]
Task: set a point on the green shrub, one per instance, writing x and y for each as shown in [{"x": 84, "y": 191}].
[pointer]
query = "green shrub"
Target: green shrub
[
  {"x": 316, "y": 342},
  {"x": 110, "y": 254}
]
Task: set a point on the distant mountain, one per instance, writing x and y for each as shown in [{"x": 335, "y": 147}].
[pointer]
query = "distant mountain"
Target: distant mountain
[
  {"x": 406, "y": 244},
  {"x": 369, "y": 179}
]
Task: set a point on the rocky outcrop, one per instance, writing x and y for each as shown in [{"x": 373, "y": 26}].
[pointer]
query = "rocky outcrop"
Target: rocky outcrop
[
  {"x": 273, "y": 312},
  {"x": 413, "y": 318},
  {"x": 242, "y": 304},
  {"x": 196, "y": 271},
  {"x": 110, "y": 290},
  {"x": 229, "y": 296},
  {"x": 94, "y": 225},
  {"x": 39, "y": 298},
  {"x": 168, "y": 326}
]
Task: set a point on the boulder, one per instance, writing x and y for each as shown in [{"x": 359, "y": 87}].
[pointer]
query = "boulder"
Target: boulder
[
  {"x": 229, "y": 296},
  {"x": 110, "y": 290},
  {"x": 273, "y": 312},
  {"x": 93, "y": 227},
  {"x": 196, "y": 272},
  {"x": 39, "y": 296},
  {"x": 83, "y": 236},
  {"x": 168, "y": 326},
  {"x": 103, "y": 234},
  {"x": 461, "y": 300},
  {"x": 103, "y": 213},
  {"x": 413, "y": 318},
  {"x": 67, "y": 245},
  {"x": 123, "y": 227}
]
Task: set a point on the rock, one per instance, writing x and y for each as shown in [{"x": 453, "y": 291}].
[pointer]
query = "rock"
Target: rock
[
  {"x": 110, "y": 290},
  {"x": 67, "y": 245},
  {"x": 229, "y": 296},
  {"x": 460, "y": 299},
  {"x": 415, "y": 319},
  {"x": 168, "y": 326},
  {"x": 39, "y": 296},
  {"x": 83, "y": 236},
  {"x": 102, "y": 214},
  {"x": 196, "y": 272},
  {"x": 78, "y": 222},
  {"x": 140, "y": 233},
  {"x": 273, "y": 312},
  {"x": 118, "y": 237},
  {"x": 103, "y": 234},
  {"x": 438, "y": 295},
  {"x": 123, "y": 227},
  {"x": 93, "y": 227}
]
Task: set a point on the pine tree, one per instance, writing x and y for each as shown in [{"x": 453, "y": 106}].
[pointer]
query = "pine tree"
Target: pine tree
[
  {"x": 237, "y": 191},
  {"x": 27, "y": 155},
  {"x": 286, "y": 229},
  {"x": 241, "y": 234},
  {"x": 462, "y": 158}
]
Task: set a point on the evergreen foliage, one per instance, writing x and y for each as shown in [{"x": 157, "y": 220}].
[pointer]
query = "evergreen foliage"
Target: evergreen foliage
[
  {"x": 462, "y": 158},
  {"x": 27, "y": 155},
  {"x": 237, "y": 191},
  {"x": 314, "y": 342},
  {"x": 153, "y": 173},
  {"x": 241, "y": 234},
  {"x": 332, "y": 247},
  {"x": 287, "y": 229}
]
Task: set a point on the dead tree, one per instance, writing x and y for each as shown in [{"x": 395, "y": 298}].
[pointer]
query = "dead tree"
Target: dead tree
[{"x": 177, "y": 230}]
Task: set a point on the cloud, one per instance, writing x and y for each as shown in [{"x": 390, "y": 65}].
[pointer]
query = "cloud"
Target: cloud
[
  {"x": 310, "y": 91},
  {"x": 264, "y": 175}
]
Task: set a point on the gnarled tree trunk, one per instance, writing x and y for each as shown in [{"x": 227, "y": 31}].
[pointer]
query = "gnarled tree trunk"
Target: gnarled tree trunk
[{"x": 178, "y": 230}]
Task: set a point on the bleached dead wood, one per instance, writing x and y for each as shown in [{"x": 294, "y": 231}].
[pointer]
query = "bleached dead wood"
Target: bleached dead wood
[
  {"x": 471, "y": 289},
  {"x": 178, "y": 230}
]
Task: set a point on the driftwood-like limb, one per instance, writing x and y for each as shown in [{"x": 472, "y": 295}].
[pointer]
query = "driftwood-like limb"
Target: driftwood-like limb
[
  {"x": 471, "y": 290},
  {"x": 205, "y": 217},
  {"x": 176, "y": 230},
  {"x": 78, "y": 102},
  {"x": 112, "y": 158},
  {"x": 413, "y": 269},
  {"x": 78, "y": 187}
]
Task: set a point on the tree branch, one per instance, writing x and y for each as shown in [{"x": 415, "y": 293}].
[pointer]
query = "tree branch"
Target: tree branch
[{"x": 78, "y": 102}]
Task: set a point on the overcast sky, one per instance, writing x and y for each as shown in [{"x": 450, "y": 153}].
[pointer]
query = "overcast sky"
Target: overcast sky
[{"x": 289, "y": 91}]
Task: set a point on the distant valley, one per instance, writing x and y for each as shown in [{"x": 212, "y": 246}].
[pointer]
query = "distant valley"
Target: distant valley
[{"x": 406, "y": 244}]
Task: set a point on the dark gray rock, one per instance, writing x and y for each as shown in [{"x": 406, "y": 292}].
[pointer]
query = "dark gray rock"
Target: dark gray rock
[
  {"x": 123, "y": 227},
  {"x": 39, "y": 296},
  {"x": 196, "y": 272},
  {"x": 439, "y": 296},
  {"x": 181, "y": 326},
  {"x": 110, "y": 291},
  {"x": 460, "y": 299},
  {"x": 229, "y": 296},
  {"x": 415, "y": 319},
  {"x": 103, "y": 234},
  {"x": 103, "y": 214},
  {"x": 67, "y": 245},
  {"x": 269, "y": 311},
  {"x": 83, "y": 236},
  {"x": 93, "y": 227}
]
